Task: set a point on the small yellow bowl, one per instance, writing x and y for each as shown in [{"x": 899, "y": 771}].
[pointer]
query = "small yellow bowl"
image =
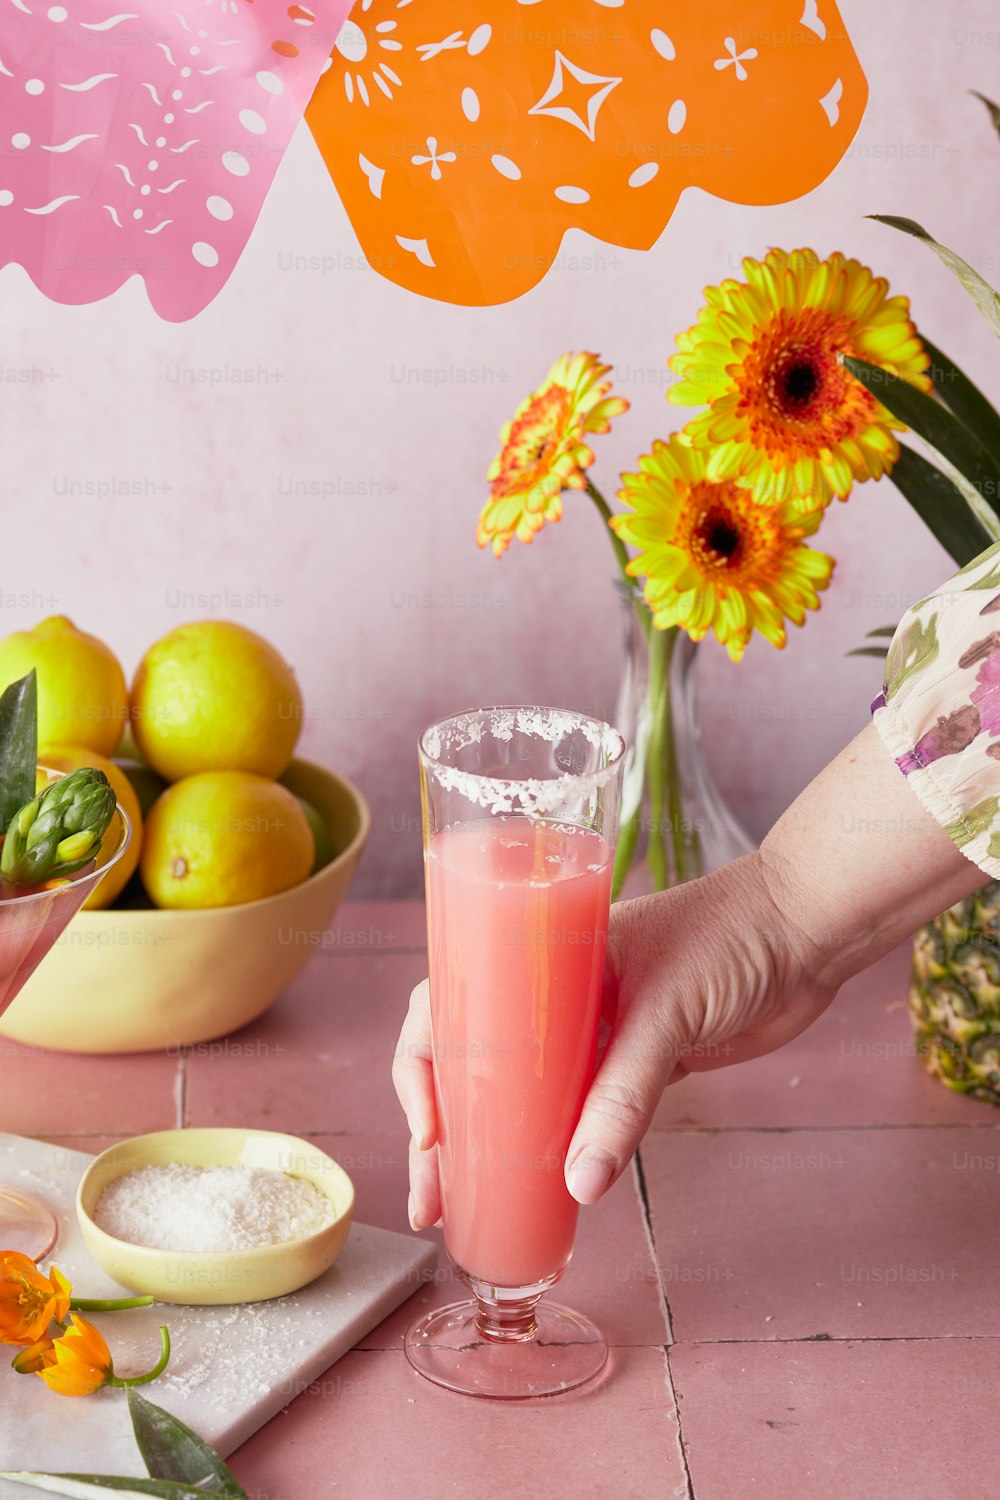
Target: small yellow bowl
[{"x": 209, "y": 1278}]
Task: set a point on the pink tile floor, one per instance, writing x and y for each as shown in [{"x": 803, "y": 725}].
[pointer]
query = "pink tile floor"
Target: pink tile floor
[{"x": 796, "y": 1281}]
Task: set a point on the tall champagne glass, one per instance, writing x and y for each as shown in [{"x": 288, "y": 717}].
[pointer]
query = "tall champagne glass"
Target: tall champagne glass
[
  {"x": 520, "y": 810},
  {"x": 30, "y": 922}
]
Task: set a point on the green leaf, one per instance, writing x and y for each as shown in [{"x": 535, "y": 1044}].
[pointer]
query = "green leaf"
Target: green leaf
[
  {"x": 993, "y": 109},
  {"x": 171, "y": 1450},
  {"x": 18, "y": 746},
  {"x": 879, "y": 651},
  {"x": 86, "y": 1486},
  {"x": 888, "y": 630},
  {"x": 942, "y": 431},
  {"x": 937, "y": 502},
  {"x": 963, "y": 398},
  {"x": 985, "y": 298}
]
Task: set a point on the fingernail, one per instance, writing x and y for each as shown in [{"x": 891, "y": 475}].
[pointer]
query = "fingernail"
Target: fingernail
[
  {"x": 411, "y": 1212},
  {"x": 438, "y": 1224},
  {"x": 589, "y": 1176}
]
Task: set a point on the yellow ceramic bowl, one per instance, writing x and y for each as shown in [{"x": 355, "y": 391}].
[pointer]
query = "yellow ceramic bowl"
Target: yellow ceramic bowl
[
  {"x": 209, "y": 1279},
  {"x": 141, "y": 981}
]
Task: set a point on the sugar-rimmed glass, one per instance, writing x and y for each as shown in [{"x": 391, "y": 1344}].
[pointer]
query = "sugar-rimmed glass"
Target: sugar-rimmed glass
[{"x": 520, "y": 812}]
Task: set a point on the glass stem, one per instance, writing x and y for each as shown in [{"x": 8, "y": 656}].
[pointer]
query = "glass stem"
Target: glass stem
[{"x": 507, "y": 1322}]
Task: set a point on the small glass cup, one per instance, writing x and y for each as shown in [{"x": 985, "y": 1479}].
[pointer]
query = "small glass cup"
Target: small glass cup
[{"x": 520, "y": 811}]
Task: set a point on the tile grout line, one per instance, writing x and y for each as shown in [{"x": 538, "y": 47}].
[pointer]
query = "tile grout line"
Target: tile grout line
[
  {"x": 647, "y": 1224},
  {"x": 639, "y": 1178},
  {"x": 801, "y": 1129},
  {"x": 369, "y": 952},
  {"x": 836, "y": 1338}
]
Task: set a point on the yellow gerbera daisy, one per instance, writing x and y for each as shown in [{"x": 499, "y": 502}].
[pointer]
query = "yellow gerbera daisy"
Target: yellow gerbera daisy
[
  {"x": 784, "y": 416},
  {"x": 712, "y": 557},
  {"x": 543, "y": 452}
]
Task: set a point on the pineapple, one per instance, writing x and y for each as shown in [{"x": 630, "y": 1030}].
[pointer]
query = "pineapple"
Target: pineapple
[{"x": 955, "y": 995}]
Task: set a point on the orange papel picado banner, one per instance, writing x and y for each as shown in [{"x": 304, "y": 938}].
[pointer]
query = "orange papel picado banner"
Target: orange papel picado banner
[{"x": 465, "y": 139}]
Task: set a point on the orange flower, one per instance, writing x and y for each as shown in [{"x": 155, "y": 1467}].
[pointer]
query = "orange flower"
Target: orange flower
[
  {"x": 543, "y": 452},
  {"x": 78, "y": 1363},
  {"x": 29, "y": 1301}
]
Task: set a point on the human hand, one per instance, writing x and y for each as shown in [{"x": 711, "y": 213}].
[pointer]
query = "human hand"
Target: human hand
[
  {"x": 707, "y": 974},
  {"x": 734, "y": 965}
]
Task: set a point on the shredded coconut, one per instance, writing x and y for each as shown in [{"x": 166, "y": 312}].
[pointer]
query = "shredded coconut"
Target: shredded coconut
[{"x": 180, "y": 1207}]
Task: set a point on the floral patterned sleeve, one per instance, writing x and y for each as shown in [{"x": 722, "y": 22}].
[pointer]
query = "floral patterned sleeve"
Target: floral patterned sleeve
[{"x": 939, "y": 711}]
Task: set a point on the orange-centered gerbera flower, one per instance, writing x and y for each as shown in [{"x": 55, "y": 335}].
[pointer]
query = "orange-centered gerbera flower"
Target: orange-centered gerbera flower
[
  {"x": 28, "y": 1300},
  {"x": 784, "y": 416},
  {"x": 543, "y": 451},
  {"x": 712, "y": 557}
]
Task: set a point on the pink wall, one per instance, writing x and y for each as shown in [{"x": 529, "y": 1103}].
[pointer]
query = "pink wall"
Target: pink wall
[{"x": 333, "y": 497}]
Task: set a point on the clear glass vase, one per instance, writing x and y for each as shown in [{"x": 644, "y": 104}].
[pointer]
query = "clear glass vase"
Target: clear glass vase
[{"x": 675, "y": 824}]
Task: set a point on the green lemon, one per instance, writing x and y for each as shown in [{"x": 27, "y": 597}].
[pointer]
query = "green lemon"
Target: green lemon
[{"x": 325, "y": 852}]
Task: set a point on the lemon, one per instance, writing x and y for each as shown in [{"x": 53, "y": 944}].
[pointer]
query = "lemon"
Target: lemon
[
  {"x": 214, "y": 696},
  {"x": 224, "y": 837},
  {"x": 71, "y": 758},
  {"x": 82, "y": 699}
]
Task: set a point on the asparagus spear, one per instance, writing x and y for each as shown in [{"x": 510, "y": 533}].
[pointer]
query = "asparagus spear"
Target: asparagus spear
[{"x": 60, "y": 830}]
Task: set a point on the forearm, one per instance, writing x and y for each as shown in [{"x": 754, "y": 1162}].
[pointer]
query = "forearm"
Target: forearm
[{"x": 857, "y": 863}]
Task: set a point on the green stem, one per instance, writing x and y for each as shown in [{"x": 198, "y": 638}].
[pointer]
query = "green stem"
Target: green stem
[
  {"x": 622, "y": 558},
  {"x": 661, "y": 735},
  {"x": 621, "y": 553},
  {"x": 675, "y": 792},
  {"x": 116, "y": 1304},
  {"x": 660, "y": 750},
  {"x": 628, "y": 836},
  {"x": 158, "y": 1368}
]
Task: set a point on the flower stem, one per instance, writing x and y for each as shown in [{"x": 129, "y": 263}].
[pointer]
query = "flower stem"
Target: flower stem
[
  {"x": 116, "y": 1304},
  {"x": 675, "y": 792},
  {"x": 628, "y": 835},
  {"x": 660, "y": 752},
  {"x": 629, "y": 832},
  {"x": 158, "y": 1368},
  {"x": 621, "y": 554}
]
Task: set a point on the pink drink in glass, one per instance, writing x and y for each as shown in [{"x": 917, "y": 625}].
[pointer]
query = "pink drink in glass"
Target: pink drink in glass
[
  {"x": 520, "y": 810},
  {"x": 517, "y": 929}
]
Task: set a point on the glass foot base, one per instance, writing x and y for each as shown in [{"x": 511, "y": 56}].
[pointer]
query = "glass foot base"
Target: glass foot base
[
  {"x": 26, "y": 1223},
  {"x": 448, "y": 1347}
]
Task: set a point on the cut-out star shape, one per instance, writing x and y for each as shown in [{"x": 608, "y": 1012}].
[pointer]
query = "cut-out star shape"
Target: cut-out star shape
[{"x": 594, "y": 89}]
